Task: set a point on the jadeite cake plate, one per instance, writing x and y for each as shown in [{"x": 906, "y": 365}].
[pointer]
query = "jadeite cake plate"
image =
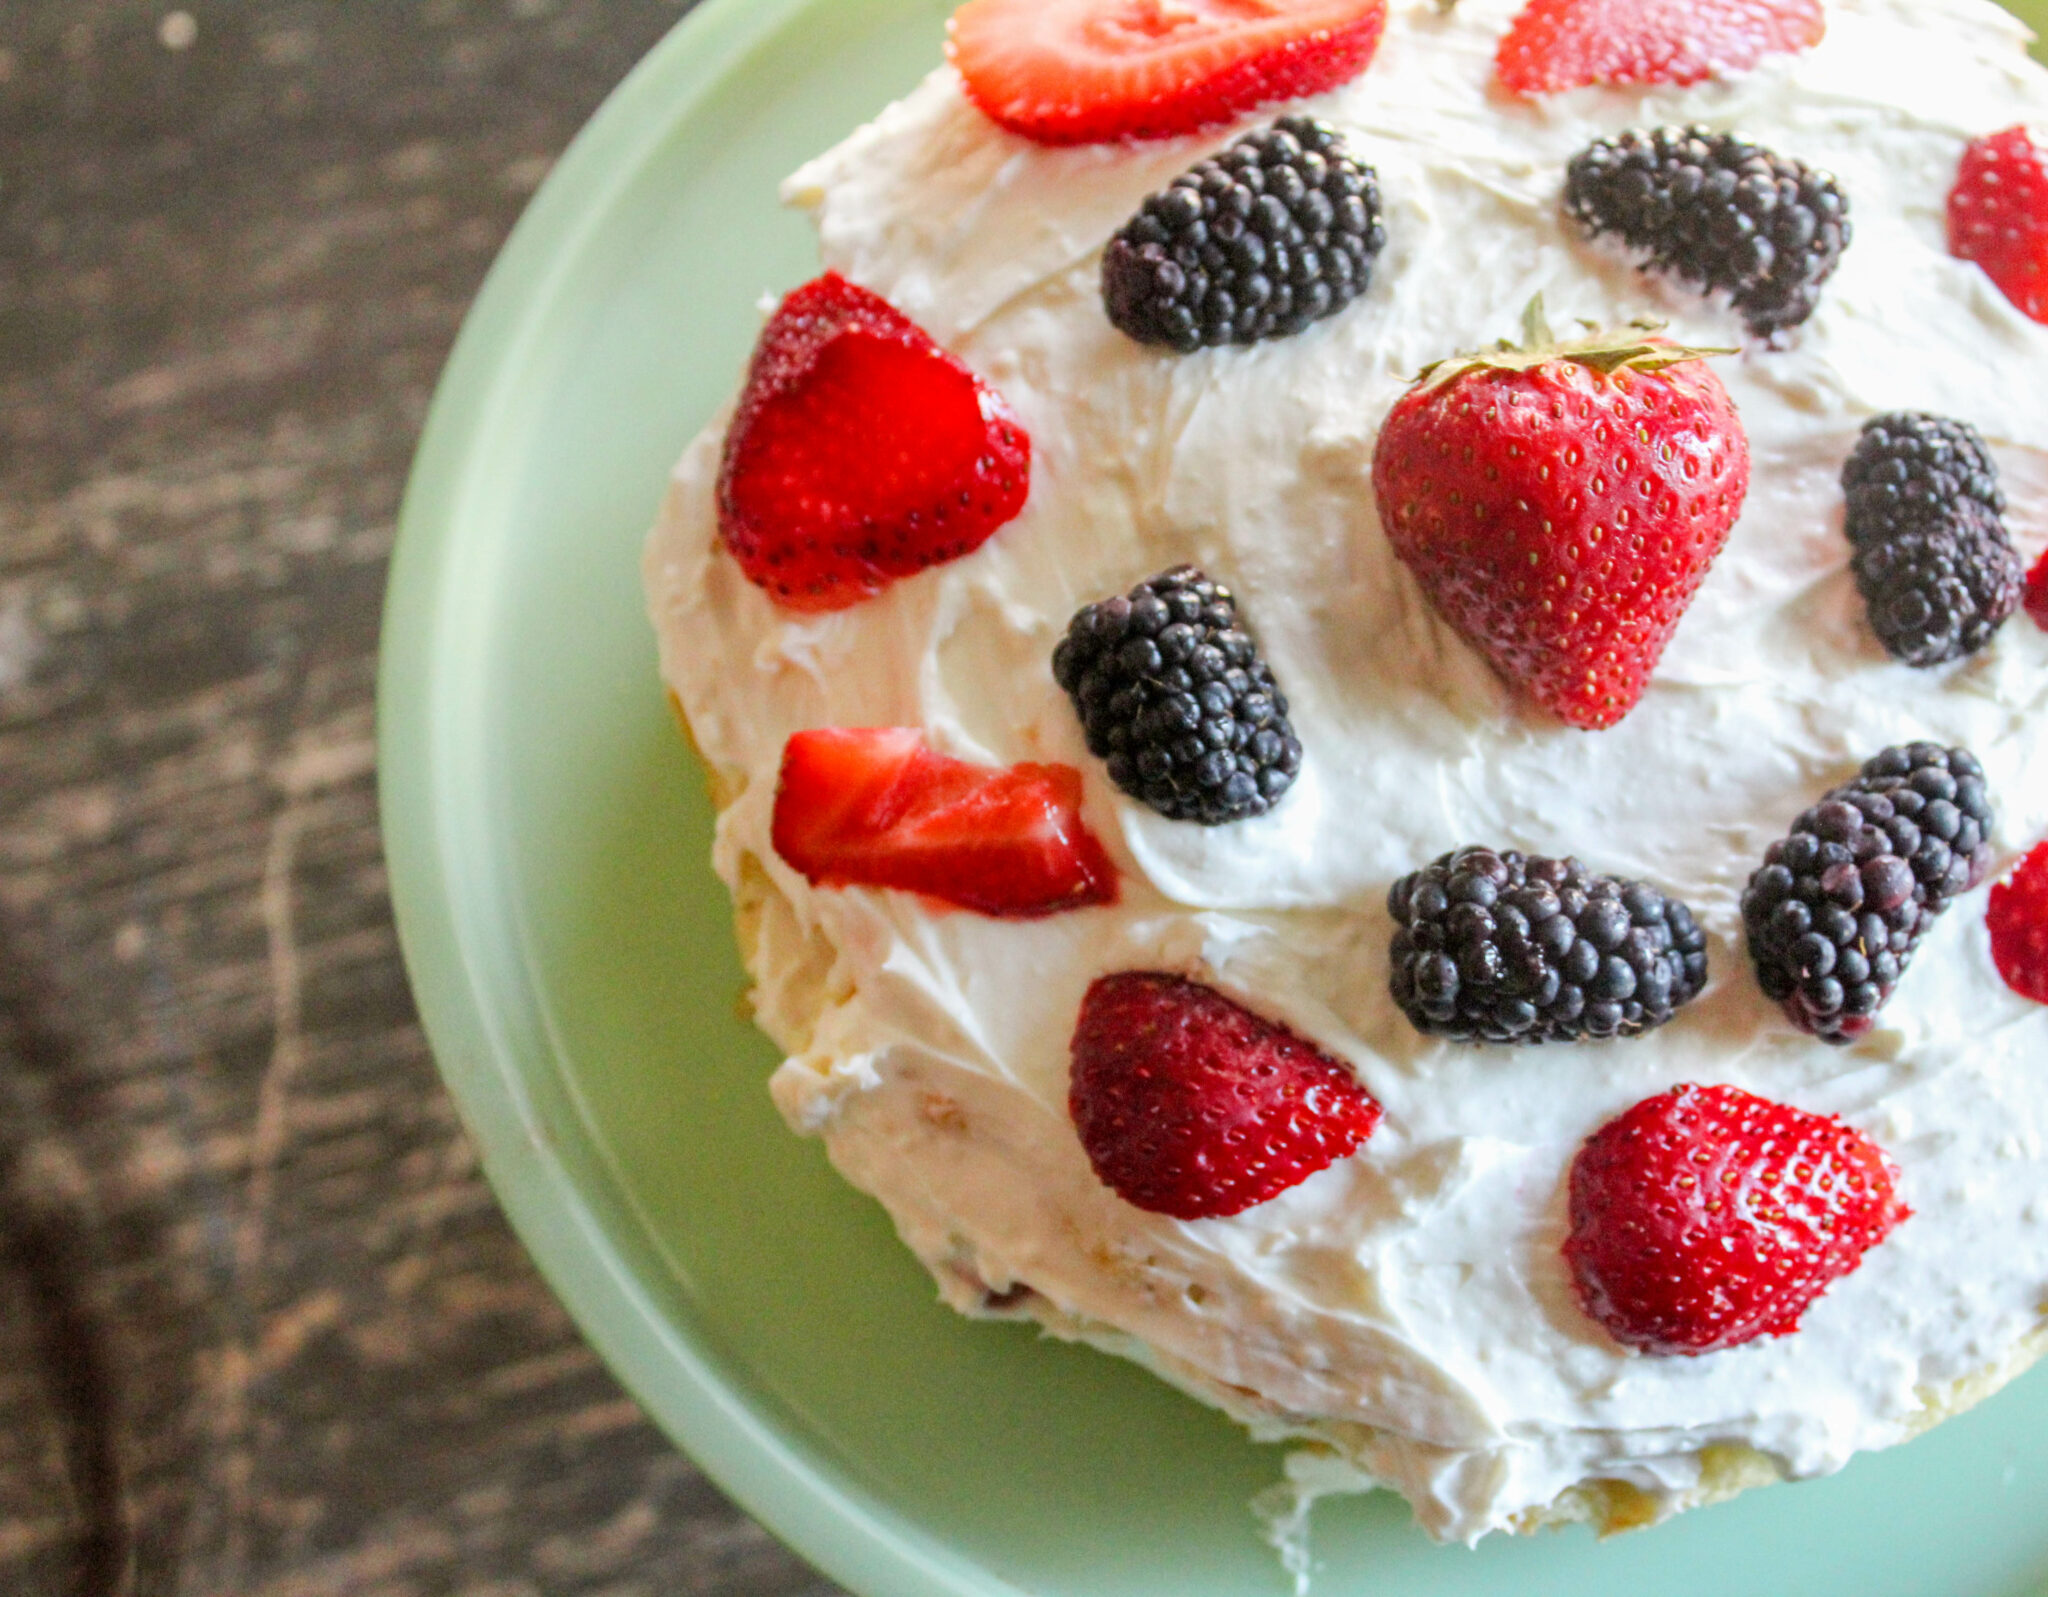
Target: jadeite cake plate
[{"x": 573, "y": 959}]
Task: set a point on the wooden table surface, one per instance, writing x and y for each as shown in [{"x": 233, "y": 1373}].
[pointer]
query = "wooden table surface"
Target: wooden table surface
[{"x": 262, "y": 1328}]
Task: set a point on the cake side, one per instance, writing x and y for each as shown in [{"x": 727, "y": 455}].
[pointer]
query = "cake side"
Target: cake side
[{"x": 1329, "y": 1458}]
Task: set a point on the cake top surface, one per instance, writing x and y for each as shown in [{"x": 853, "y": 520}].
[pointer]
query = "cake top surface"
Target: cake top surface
[{"x": 1417, "y": 1286}]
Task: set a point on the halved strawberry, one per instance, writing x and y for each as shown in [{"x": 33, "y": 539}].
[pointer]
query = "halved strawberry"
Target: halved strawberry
[
  {"x": 1998, "y": 216},
  {"x": 1089, "y": 71},
  {"x": 1192, "y": 1106},
  {"x": 877, "y": 808},
  {"x": 861, "y": 452},
  {"x": 1706, "y": 1217},
  {"x": 1567, "y": 44}
]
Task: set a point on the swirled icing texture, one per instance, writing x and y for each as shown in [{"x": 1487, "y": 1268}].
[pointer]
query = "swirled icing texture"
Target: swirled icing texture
[{"x": 1416, "y": 1289}]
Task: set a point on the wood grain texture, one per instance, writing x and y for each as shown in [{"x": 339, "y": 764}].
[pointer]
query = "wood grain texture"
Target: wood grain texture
[{"x": 262, "y": 1329}]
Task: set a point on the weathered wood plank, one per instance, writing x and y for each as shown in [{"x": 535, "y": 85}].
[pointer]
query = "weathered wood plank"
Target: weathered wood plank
[{"x": 262, "y": 1329}]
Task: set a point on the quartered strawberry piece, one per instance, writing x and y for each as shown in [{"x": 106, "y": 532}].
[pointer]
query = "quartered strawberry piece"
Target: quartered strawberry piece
[
  {"x": 877, "y": 808},
  {"x": 1567, "y": 44},
  {"x": 1192, "y": 1106},
  {"x": 861, "y": 452},
  {"x": 1089, "y": 71},
  {"x": 1706, "y": 1217},
  {"x": 1998, "y": 216}
]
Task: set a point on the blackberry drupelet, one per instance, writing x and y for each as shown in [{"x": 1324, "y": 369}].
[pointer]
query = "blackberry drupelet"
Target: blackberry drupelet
[
  {"x": 1840, "y": 905},
  {"x": 1269, "y": 235},
  {"x": 1500, "y": 948},
  {"x": 1938, "y": 574},
  {"x": 1721, "y": 212},
  {"x": 1174, "y": 696}
]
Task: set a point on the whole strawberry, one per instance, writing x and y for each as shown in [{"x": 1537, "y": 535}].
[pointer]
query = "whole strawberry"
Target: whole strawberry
[
  {"x": 1998, "y": 216},
  {"x": 861, "y": 452},
  {"x": 1706, "y": 1217},
  {"x": 2018, "y": 919},
  {"x": 1561, "y": 503},
  {"x": 1191, "y": 1106}
]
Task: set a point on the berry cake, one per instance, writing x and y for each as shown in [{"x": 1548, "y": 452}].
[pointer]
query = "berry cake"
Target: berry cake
[{"x": 1452, "y": 888}]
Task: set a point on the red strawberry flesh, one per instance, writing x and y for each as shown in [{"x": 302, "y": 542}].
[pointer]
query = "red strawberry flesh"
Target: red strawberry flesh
[
  {"x": 878, "y": 808},
  {"x": 1998, "y": 216},
  {"x": 861, "y": 453},
  {"x": 1092, "y": 71},
  {"x": 2018, "y": 918},
  {"x": 1562, "y": 518},
  {"x": 1568, "y": 44},
  {"x": 2037, "y": 592},
  {"x": 1707, "y": 1217},
  {"x": 1191, "y": 1106}
]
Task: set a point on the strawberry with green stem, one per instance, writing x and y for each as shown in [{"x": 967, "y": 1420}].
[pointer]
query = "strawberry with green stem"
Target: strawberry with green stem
[{"x": 1560, "y": 504}]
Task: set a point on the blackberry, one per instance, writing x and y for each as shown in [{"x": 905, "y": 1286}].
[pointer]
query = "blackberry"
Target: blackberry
[
  {"x": 1909, "y": 466},
  {"x": 1174, "y": 696},
  {"x": 1721, "y": 212},
  {"x": 1941, "y": 593},
  {"x": 1495, "y": 947},
  {"x": 1840, "y": 905},
  {"x": 1938, "y": 574},
  {"x": 1271, "y": 234}
]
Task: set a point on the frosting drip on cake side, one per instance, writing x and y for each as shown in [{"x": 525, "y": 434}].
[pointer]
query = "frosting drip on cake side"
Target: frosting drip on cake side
[{"x": 1415, "y": 1288}]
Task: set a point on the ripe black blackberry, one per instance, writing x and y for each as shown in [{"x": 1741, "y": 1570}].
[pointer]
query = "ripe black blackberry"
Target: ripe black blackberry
[
  {"x": 1839, "y": 906},
  {"x": 1909, "y": 466},
  {"x": 1941, "y": 592},
  {"x": 1174, "y": 696},
  {"x": 1938, "y": 574},
  {"x": 1721, "y": 212},
  {"x": 1496, "y": 947},
  {"x": 1267, "y": 236}
]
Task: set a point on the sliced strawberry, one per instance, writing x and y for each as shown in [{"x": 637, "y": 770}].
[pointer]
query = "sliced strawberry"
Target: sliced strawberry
[
  {"x": 1561, "y": 504},
  {"x": 1706, "y": 1217},
  {"x": 1567, "y": 44},
  {"x": 2037, "y": 592},
  {"x": 1089, "y": 71},
  {"x": 1998, "y": 216},
  {"x": 2018, "y": 918},
  {"x": 877, "y": 808},
  {"x": 861, "y": 452},
  {"x": 1191, "y": 1106}
]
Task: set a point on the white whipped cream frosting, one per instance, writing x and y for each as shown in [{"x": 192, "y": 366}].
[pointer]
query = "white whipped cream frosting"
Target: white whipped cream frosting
[{"x": 1416, "y": 1288}]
